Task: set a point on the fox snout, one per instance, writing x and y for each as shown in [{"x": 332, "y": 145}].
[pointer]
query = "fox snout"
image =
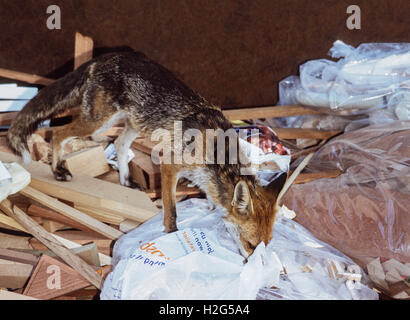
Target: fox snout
[
  {"x": 251, "y": 235},
  {"x": 253, "y": 211}
]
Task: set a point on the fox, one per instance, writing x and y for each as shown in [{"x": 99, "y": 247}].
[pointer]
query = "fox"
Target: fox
[{"x": 128, "y": 87}]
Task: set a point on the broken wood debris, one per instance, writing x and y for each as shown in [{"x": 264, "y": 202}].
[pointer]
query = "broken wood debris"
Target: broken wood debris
[
  {"x": 49, "y": 241},
  {"x": 52, "y": 278}
]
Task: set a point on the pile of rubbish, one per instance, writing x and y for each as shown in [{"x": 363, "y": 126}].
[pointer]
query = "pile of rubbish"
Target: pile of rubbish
[{"x": 202, "y": 261}]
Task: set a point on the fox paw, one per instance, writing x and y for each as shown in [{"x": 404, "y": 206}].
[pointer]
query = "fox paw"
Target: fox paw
[
  {"x": 171, "y": 229},
  {"x": 131, "y": 184},
  {"x": 62, "y": 174}
]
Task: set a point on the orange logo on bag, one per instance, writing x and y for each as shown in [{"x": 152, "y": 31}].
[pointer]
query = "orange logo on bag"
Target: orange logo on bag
[{"x": 150, "y": 248}]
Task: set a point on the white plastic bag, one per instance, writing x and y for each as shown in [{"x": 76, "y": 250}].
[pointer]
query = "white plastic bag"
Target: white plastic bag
[
  {"x": 13, "y": 178},
  {"x": 202, "y": 261}
]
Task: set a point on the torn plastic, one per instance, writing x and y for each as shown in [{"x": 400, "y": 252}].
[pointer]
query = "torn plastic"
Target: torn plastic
[
  {"x": 111, "y": 156},
  {"x": 202, "y": 261},
  {"x": 268, "y": 157},
  {"x": 365, "y": 211}
]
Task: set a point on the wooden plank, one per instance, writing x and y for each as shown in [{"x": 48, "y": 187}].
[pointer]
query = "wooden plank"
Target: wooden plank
[
  {"x": 48, "y": 283},
  {"x": 23, "y": 243},
  {"x": 7, "y": 118},
  {"x": 7, "y": 227},
  {"x": 112, "y": 176},
  {"x": 12, "y": 105},
  {"x": 100, "y": 214},
  {"x": 14, "y": 275},
  {"x": 90, "y": 161},
  {"x": 83, "y": 294},
  {"x": 137, "y": 175},
  {"x": 36, "y": 219},
  {"x": 52, "y": 226},
  {"x": 83, "y": 50},
  {"x": 87, "y": 252},
  {"x": 71, "y": 213},
  {"x": 11, "y": 223},
  {"x": 181, "y": 191},
  {"x": 16, "y": 256},
  {"x": 128, "y": 225},
  {"x": 144, "y": 161},
  {"x": 307, "y": 177},
  {"x": 9, "y": 295},
  {"x": 81, "y": 238},
  {"x": 306, "y": 151},
  {"x": 9, "y": 241},
  {"x": 267, "y": 112},
  {"x": 299, "y": 133},
  {"x": 25, "y": 77},
  {"x": 15, "y": 92},
  {"x": 54, "y": 245},
  {"x": 144, "y": 145},
  {"x": 126, "y": 202},
  {"x": 37, "y": 211},
  {"x": 104, "y": 259},
  {"x": 41, "y": 150}
]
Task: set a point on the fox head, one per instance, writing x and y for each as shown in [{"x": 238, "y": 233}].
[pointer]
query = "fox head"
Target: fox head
[{"x": 253, "y": 210}]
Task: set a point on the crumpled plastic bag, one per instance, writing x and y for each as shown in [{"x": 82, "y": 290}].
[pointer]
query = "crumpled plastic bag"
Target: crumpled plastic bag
[
  {"x": 202, "y": 261},
  {"x": 268, "y": 157},
  {"x": 368, "y": 85},
  {"x": 366, "y": 78}
]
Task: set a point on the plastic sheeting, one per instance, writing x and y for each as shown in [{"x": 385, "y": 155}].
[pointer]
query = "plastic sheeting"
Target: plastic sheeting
[
  {"x": 365, "y": 211},
  {"x": 202, "y": 261},
  {"x": 369, "y": 77},
  {"x": 368, "y": 85}
]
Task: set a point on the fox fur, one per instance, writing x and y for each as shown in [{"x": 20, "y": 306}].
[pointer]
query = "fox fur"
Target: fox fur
[{"x": 130, "y": 87}]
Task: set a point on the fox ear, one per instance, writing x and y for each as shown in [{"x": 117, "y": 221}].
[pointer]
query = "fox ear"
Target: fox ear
[
  {"x": 276, "y": 185},
  {"x": 242, "y": 201}
]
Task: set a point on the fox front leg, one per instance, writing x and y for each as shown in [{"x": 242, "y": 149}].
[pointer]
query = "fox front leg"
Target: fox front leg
[{"x": 169, "y": 183}]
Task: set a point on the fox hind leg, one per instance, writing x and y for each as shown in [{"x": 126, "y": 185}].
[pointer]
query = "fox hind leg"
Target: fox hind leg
[
  {"x": 61, "y": 135},
  {"x": 98, "y": 136}
]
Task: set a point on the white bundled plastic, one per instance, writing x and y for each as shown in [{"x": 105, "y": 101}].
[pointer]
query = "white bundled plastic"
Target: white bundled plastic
[
  {"x": 13, "y": 178},
  {"x": 366, "y": 78},
  {"x": 202, "y": 261}
]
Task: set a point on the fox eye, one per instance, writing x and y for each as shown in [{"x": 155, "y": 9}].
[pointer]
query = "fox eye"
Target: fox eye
[{"x": 251, "y": 246}]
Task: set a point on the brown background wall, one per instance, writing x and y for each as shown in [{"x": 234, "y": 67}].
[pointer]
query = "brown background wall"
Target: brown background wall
[{"x": 234, "y": 53}]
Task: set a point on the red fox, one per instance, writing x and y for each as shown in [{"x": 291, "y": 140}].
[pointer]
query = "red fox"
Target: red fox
[{"x": 130, "y": 87}]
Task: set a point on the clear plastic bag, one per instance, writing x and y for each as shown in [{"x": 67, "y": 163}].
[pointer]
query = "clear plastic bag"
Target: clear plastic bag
[
  {"x": 363, "y": 80},
  {"x": 202, "y": 261},
  {"x": 365, "y": 211}
]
